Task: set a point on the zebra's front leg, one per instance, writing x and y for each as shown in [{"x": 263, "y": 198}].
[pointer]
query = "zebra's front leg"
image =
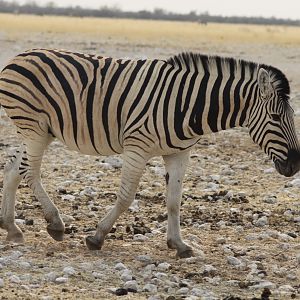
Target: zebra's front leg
[
  {"x": 11, "y": 181},
  {"x": 132, "y": 169},
  {"x": 176, "y": 165}
]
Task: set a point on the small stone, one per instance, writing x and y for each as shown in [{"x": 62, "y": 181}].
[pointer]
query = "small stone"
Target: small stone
[
  {"x": 151, "y": 288},
  {"x": 233, "y": 261},
  {"x": 29, "y": 222},
  {"x": 68, "y": 197},
  {"x": 262, "y": 285},
  {"x": 295, "y": 182},
  {"x": 19, "y": 221},
  {"x": 270, "y": 199},
  {"x": 163, "y": 266},
  {"x": 15, "y": 254},
  {"x": 126, "y": 276},
  {"x": 140, "y": 237},
  {"x": 67, "y": 218},
  {"x": 24, "y": 264},
  {"x": 131, "y": 285},
  {"x": 120, "y": 266},
  {"x": 208, "y": 270},
  {"x": 221, "y": 240},
  {"x": 61, "y": 280},
  {"x": 69, "y": 271},
  {"x": 1, "y": 283},
  {"x": 97, "y": 275},
  {"x": 262, "y": 221},
  {"x": 121, "y": 292},
  {"x": 144, "y": 259},
  {"x": 51, "y": 276},
  {"x": 14, "y": 279},
  {"x": 183, "y": 291}
]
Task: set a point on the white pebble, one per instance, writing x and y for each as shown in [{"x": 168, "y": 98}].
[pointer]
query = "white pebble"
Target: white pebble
[
  {"x": 263, "y": 284},
  {"x": 183, "y": 291},
  {"x": 233, "y": 261},
  {"x": 51, "y": 276},
  {"x": 163, "y": 266},
  {"x": 140, "y": 237},
  {"x": 119, "y": 266},
  {"x": 262, "y": 221},
  {"x": 151, "y": 288},
  {"x": 131, "y": 284},
  {"x": 14, "y": 279},
  {"x": 69, "y": 271},
  {"x": 15, "y": 254},
  {"x": 67, "y": 218},
  {"x": 98, "y": 275},
  {"x": 24, "y": 264},
  {"x": 68, "y": 197},
  {"x": 1, "y": 283},
  {"x": 61, "y": 280},
  {"x": 144, "y": 259}
]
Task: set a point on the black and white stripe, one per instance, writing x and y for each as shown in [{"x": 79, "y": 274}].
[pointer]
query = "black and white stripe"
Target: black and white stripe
[{"x": 141, "y": 108}]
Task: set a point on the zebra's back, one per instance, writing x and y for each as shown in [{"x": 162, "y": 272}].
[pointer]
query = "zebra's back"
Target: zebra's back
[{"x": 85, "y": 101}]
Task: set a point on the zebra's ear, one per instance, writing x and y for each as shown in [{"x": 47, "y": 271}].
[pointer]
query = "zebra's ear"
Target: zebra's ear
[{"x": 264, "y": 82}]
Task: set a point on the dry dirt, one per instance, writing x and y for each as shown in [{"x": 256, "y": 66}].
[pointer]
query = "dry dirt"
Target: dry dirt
[{"x": 267, "y": 255}]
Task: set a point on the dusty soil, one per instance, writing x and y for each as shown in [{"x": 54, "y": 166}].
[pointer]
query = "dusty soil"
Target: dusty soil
[{"x": 237, "y": 211}]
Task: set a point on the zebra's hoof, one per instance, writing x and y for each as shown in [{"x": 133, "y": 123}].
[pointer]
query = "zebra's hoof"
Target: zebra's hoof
[
  {"x": 15, "y": 237},
  {"x": 57, "y": 235},
  {"x": 185, "y": 254},
  {"x": 93, "y": 243}
]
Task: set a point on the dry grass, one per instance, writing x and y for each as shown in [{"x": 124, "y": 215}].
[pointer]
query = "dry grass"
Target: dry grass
[{"x": 156, "y": 32}]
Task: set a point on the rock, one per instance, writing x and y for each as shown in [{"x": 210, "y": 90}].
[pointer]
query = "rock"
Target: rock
[
  {"x": 295, "y": 182},
  {"x": 24, "y": 265},
  {"x": 163, "y": 266},
  {"x": 221, "y": 240},
  {"x": 233, "y": 261},
  {"x": 269, "y": 171},
  {"x": 67, "y": 218},
  {"x": 14, "y": 279},
  {"x": 61, "y": 280},
  {"x": 68, "y": 197},
  {"x": 271, "y": 199},
  {"x": 151, "y": 288},
  {"x": 114, "y": 161},
  {"x": 286, "y": 289},
  {"x": 89, "y": 191},
  {"x": 51, "y": 276},
  {"x": 121, "y": 292},
  {"x": 134, "y": 207},
  {"x": 212, "y": 187},
  {"x": 183, "y": 291},
  {"x": 261, "y": 222},
  {"x": 20, "y": 221},
  {"x": 208, "y": 270},
  {"x": 126, "y": 275},
  {"x": 131, "y": 285},
  {"x": 1, "y": 283},
  {"x": 98, "y": 275},
  {"x": 69, "y": 271},
  {"x": 15, "y": 255},
  {"x": 262, "y": 285},
  {"x": 140, "y": 237},
  {"x": 144, "y": 259},
  {"x": 120, "y": 266}
]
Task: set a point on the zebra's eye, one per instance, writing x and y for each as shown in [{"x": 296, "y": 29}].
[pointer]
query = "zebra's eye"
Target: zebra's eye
[{"x": 275, "y": 117}]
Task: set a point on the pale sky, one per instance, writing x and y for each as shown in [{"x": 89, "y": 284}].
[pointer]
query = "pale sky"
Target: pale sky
[{"x": 266, "y": 8}]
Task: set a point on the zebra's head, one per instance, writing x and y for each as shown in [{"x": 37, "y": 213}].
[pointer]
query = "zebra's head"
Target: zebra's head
[{"x": 271, "y": 121}]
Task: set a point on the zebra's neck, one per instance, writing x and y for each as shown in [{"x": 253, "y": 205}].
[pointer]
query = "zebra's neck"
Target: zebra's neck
[{"x": 225, "y": 91}]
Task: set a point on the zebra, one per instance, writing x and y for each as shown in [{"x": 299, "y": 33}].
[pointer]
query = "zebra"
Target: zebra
[{"x": 139, "y": 108}]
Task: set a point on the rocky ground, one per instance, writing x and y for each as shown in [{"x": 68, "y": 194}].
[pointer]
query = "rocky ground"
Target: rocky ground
[{"x": 241, "y": 216}]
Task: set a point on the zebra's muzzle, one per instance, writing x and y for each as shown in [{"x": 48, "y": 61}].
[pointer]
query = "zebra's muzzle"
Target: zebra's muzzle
[{"x": 290, "y": 166}]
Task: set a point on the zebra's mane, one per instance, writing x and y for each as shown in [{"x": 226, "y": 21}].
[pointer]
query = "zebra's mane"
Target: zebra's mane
[{"x": 199, "y": 62}]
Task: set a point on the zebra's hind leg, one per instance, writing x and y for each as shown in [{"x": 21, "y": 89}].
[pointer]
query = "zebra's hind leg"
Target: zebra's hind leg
[
  {"x": 176, "y": 165},
  {"x": 132, "y": 169},
  {"x": 32, "y": 176},
  {"x": 11, "y": 181}
]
